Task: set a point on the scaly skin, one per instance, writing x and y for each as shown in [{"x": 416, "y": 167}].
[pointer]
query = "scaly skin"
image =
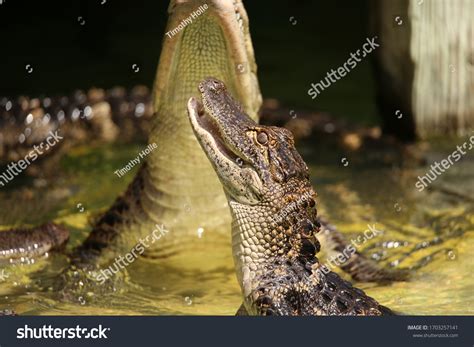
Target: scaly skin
[
  {"x": 274, "y": 213},
  {"x": 94, "y": 115},
  {"x": 177, "y": 186},
  {"x": 18, "y": 244}
]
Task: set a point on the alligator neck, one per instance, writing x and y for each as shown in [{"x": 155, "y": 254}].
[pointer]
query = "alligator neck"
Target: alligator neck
[
  {"x": 179, "y": 176},
  {"x": 178, "y": 187},
  {"x": 281, "y": 229}
]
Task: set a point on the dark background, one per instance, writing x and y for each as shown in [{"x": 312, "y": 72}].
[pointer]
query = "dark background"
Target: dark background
[{"x": 66, "y": 56}]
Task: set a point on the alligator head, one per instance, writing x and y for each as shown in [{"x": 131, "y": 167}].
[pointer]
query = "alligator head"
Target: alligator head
[{"x": 253, "y": 161}]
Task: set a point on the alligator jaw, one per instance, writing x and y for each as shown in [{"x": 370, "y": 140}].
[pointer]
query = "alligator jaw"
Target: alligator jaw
[
  {"x": 221, "y": 128},
  {"x": 220, "y": 123},
  {"x": 209, "y": 134}
]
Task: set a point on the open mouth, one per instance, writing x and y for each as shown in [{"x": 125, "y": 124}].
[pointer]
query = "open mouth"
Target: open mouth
[{"x": 205, "y": 125}]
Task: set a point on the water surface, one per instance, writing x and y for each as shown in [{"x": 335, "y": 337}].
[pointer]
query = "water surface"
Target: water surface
[{"x": 430, "y": 232}]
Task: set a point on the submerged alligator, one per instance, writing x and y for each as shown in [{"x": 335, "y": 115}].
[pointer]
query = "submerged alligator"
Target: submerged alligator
[
  {"x": 95, "y": 115},
  {"x": 18, "y": 244},
  {"x": 177, "y": 186},
  {"x": 262, "y": 174}
]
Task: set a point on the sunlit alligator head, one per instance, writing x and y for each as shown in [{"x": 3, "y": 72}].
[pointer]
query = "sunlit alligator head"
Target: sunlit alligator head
[{"x": 254, "y": 162}]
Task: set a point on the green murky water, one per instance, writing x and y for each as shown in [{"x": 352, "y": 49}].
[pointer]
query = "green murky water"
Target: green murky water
[{"x": 430, "y": 232}]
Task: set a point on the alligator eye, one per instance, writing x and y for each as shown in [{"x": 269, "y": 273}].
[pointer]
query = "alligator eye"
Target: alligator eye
[{"x": 262, "y": 138}]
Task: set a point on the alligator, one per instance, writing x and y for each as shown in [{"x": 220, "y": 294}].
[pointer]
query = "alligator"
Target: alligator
[
  {"x": 177, "y": 186},
  {"x": 165, "y": 190},
  {"x": 262, "y": 175},
  {"x": 22, "y": 243},
  {"x": 95, "y": 115}
]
